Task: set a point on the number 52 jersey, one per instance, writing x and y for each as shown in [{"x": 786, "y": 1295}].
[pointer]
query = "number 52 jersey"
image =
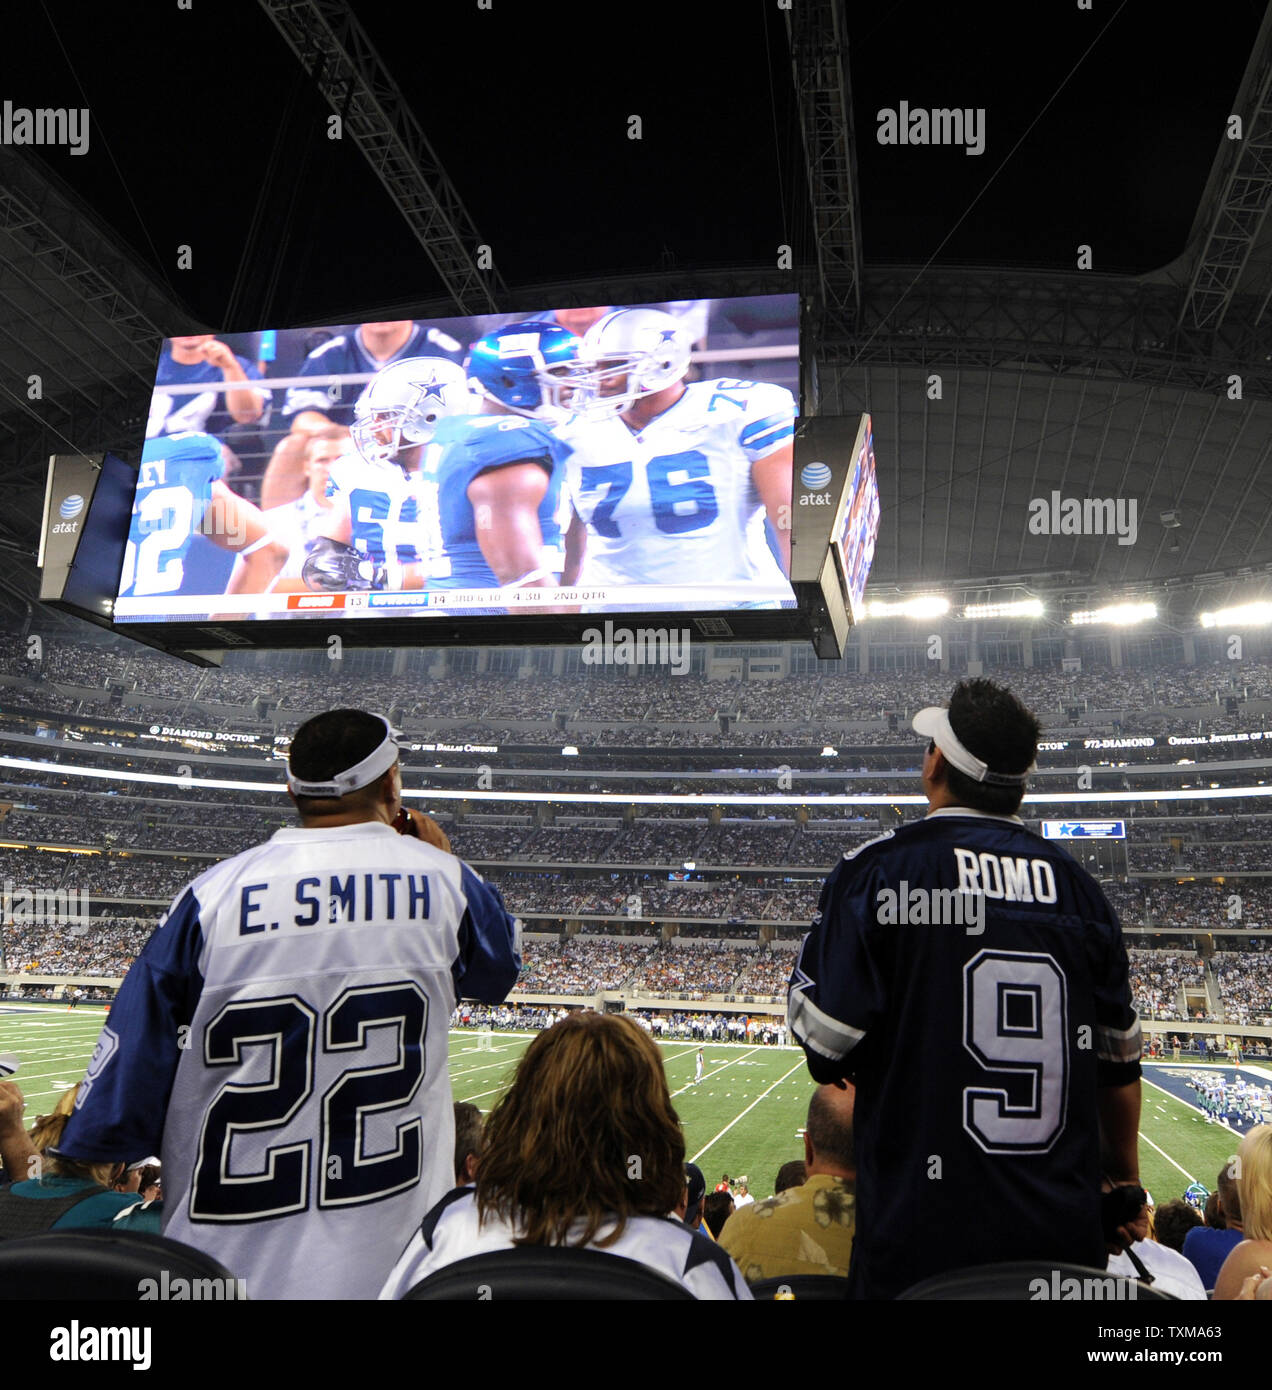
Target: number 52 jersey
[
  {"x": 281, "y": 1041},
  {"x": 675, "y": 502}
]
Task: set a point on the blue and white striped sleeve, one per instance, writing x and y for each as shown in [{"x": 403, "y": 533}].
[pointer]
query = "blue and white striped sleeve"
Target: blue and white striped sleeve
[
  {"x": 489, "y": 958},
  {"x": 123, "y": 1100}
]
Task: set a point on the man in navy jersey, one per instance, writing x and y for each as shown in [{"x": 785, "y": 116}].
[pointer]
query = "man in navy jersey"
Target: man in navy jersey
[
  {"x": 283, "y": 1034},
  {"x": 970, "y": 978}
]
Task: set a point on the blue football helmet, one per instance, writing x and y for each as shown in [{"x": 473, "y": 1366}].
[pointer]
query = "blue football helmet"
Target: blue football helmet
[{"x": 527, "y": 367}]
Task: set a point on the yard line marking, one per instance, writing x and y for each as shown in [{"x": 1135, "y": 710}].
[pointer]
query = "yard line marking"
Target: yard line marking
[
  {"x": 1166, "y": 1156},
  {"x": 747, "y": 1111}
]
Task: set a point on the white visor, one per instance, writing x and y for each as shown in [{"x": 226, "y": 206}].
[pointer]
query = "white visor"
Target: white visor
[
  {"x": 374, "y": 765},
  {"x": 934, "y": 723}
]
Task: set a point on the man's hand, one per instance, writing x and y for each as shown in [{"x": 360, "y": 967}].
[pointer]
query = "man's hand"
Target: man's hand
[
  {"x": 219, "y": 354},
  {"x": 16, "y": 1150},
  {"x": 12, "y": 1104}
]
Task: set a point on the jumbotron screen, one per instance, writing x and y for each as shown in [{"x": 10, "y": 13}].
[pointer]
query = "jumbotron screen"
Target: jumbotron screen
[
  {"x": 613, "y": 459},
  {"x": 860, "y": 531}
]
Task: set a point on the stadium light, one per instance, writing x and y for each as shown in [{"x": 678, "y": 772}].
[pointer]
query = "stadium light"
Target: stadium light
[
  {"x": 569, "y": 751},
  {"x": 689, "y": 865},
  {"x": 829, "y": 752},
  {"x": 924, "y": 606},
  {"x": 1022, "y": 608},
  {"x": 1247, "y": 615},
  {"x": 1119, "y": 614}
]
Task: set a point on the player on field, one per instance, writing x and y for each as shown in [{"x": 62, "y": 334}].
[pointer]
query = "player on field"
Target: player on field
[
  {"x": 381, "y": 532},
  {"x": 180, "y": 494},
  {"x": 697, "y": 1072},
  {"x": 494, "y": 478},
  {"x": 283, "y": 1033},
  {"x": 992, "y": 1040},
  {"x": 672, "y": 482}
]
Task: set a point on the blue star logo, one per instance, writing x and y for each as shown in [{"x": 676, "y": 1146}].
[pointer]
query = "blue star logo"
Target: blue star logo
[
  {"x": 432, "y": 391},
  {"x": 667, "y": 335}
]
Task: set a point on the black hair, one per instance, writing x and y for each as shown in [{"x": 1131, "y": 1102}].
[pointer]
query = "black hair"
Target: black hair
[
  {"x": 329, "y": 744},
  {"x": 993, "y": 724}
]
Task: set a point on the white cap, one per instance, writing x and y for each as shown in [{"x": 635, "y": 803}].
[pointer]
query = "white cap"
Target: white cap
[
  {"x": 151, "y": 1162},
  {"x": 353, "y": 779},
  {"x": 934, "y": 723}
]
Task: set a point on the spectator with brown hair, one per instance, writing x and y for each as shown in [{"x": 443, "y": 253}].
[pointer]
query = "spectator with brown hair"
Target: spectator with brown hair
[
  {"x": 468, "y": 1142},
  {"x": 583, "y": 1150},
  {"x": 1173, "y": 1222}
]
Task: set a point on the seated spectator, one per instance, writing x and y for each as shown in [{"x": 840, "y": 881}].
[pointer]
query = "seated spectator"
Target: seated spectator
[
  {"x": 716, "y": 1210},
  {"x": 1170, "y": 1272},
  {"x": 1254, "y": 1190},
  {"x": 68, "y": 1195},
  {"x": 1210, "y": 1244},
  {"x": 583, "y": 1150},
  {"x": 690, "y": 1211},
  {"x": 468, "y": 1137},
  {"x": 1172, "y": 1223},
  {"x": 792, "y": 1174},
  {"x": 807, "y": 1229}
]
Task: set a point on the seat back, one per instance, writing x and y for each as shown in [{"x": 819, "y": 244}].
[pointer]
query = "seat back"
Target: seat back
[
  {"x": 121, "y": 1266},
  {"x": 1030, "y": 1280},
  {"x": 547, "y": 1273}
]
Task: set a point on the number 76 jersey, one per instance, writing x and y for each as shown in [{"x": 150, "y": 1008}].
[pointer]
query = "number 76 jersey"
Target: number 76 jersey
[{"x": 675, "y": 503}]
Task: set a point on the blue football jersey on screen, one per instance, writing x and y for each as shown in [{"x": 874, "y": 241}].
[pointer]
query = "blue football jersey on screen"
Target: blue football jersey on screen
[
  {"x": 465, "y": 446},
  {"x": 174, "y": 487}
]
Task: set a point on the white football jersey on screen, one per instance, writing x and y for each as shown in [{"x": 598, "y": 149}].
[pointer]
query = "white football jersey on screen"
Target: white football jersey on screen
[
  {"x": 675, "y": 503},
  {"x": 391, "y": 522}
]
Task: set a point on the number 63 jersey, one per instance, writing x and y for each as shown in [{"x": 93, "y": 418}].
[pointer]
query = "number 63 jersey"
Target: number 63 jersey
[
  {"x": 281, "y": 1041},
  {"x": 970, "y": 978},
  {"x": 675, "y": 502}
]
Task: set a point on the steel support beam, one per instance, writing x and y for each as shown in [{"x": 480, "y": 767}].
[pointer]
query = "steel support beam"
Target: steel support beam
[{"x": 350, "y": 74}]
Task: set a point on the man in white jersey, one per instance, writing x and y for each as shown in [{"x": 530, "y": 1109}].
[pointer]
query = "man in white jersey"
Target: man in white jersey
[
  {"x": 283, "y": 1033},
  {"x": 672, "y": 482}
]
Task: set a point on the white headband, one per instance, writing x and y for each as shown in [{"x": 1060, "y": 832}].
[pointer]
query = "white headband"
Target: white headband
[
  {"x": 934, "y": 723},
  {"x": 377, "y": 762}
]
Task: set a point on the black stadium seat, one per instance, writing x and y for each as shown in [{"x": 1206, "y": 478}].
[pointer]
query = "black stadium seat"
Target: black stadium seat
[
  {"x": 822, "y": 1287},
  {"x": 112, "y": 1265},
  {"x": 1011, "y": 1283},
  {"x": 551, "y": 1274}
]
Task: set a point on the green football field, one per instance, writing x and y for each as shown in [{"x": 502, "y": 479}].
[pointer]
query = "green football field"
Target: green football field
[{"x": 744, "y": 1117}]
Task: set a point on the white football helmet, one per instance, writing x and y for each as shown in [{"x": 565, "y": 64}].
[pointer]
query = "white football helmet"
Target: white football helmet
[
  {"x": 403, "y": 403},
  {"x": 628, "y": 354}
]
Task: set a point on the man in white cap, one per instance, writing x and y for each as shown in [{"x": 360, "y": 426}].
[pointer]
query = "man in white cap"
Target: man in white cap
[
  {"x": 281, "y": 1039},
  {"x": 970, "y": 978}
]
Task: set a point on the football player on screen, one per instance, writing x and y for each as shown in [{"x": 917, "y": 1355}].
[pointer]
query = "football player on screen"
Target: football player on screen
[
  {"x": 495, "y": 478},
  {"x": 674, "y": 482},
  {"x": 380, "y": 535},
  {"x": 180, "y": 494}
]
